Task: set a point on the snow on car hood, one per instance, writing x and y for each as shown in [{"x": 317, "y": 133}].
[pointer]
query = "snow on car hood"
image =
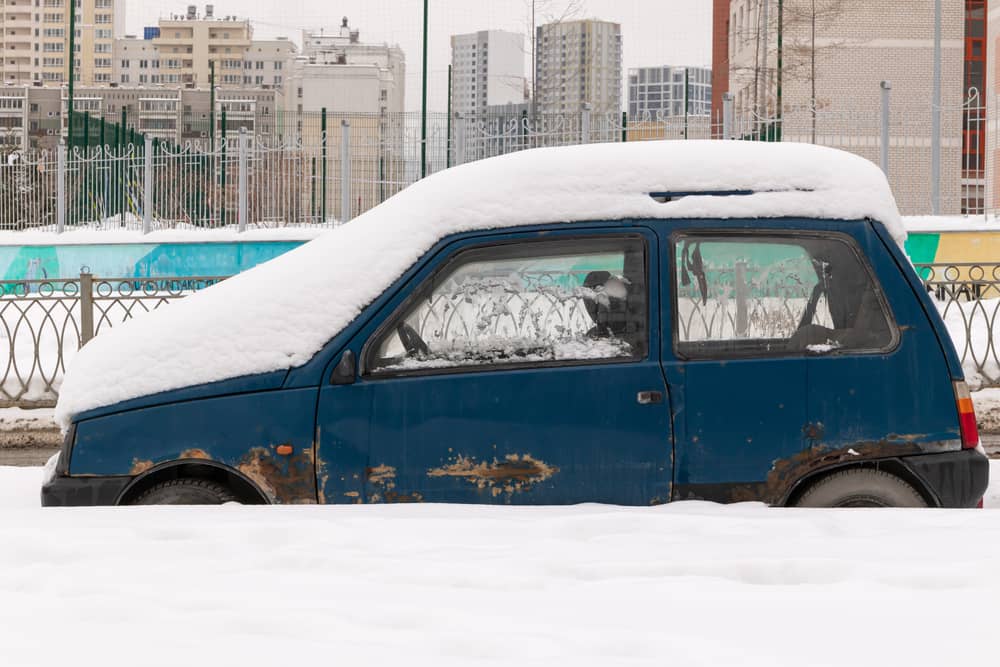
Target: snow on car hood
[{"x": 280, "y": 314}]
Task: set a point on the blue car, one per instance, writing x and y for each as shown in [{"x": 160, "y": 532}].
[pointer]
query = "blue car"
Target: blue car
[{"x": 794, "y": 360}]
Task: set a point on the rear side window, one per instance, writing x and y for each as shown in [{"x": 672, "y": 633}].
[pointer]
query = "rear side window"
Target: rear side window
[
  {"x": 773, "y": 295},
  {"x": 533, "y": 303}
]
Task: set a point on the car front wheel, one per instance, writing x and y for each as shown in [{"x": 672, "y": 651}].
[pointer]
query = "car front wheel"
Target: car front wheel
[{"x": 185, "y": 492}]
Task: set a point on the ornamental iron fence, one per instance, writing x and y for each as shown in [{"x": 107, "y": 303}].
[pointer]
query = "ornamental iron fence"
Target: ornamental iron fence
[
  {"x": 46, "y": 322},
  {"x": 968, "y": 297}
]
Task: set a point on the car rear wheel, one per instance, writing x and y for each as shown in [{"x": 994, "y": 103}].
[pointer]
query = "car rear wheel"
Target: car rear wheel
[
  {"x": 185, "y": 492},
  {"x": 861, "y": 488}
]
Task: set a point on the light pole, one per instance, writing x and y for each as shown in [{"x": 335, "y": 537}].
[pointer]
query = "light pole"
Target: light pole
[
  {"x": 812, "y": 75},
  {"x": 72, "y": 65},
  {"x": 423, "y": 114},
  {"x": 781, "y": 64},
  {"x": 936, "y": 116}
]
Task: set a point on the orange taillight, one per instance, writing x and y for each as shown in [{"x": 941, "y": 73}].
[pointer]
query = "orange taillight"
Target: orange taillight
[{"x": 966, "y": 416}]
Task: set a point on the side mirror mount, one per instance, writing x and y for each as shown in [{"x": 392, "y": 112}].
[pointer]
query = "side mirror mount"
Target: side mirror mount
[{"x": 346, "y": 370}]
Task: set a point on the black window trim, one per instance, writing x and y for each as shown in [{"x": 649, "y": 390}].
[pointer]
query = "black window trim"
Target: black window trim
[
  {"x": 419, "y": 291},
  {"x": 778, "y": 234}
]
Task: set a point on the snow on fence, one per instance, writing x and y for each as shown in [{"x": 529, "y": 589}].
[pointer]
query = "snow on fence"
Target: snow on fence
[{"x": 46, "y": 322}]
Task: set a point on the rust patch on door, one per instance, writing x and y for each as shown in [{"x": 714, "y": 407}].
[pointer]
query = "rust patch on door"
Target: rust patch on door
[
  {"x": 285, "y": 479},
  {"x": 383, "y": 480},
  {"x": 514, "y": 474},
  {"x": 382, "y": 475}
]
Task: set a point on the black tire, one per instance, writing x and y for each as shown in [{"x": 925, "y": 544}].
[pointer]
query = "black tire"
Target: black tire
[
  {"x": 185, "y": 492},
  {"x": 861, "y": 488}
]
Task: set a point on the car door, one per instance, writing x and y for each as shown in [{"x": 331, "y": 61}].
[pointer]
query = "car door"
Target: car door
[
  {"x": 740, "y": 394},
  {"x": 516, "y": 369},
  {"x": 884, "y": 388}
]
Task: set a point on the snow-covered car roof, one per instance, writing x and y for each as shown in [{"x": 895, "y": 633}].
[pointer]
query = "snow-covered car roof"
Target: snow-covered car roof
[{"x": 280, "y": 314}]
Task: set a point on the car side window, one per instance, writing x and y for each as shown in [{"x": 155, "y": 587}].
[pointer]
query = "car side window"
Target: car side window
[
  {"x": 528, "y": 303},
  {"x": 777, "y": 295}
]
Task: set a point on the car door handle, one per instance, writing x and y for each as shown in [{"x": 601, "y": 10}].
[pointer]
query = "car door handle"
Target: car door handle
[{"x": 649, "y": 397}]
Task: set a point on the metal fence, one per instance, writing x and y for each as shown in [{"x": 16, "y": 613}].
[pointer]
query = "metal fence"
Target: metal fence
[
  {"x": 45, "y": 322},
  {"x": 968, "y": 297},
  {"x": 309, "y": 169}
]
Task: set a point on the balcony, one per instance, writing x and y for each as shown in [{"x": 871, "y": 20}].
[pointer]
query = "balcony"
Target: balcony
[{"x": 20, "y": 56}]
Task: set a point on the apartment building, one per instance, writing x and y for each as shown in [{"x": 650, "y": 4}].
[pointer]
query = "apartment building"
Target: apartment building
[
  {"x": 34, "y": 40},
  {"x": 830, "y": 83},
  {"x": 180, "y": 115},
  {"x": 264, "y": 64},
  {"x": 578, "y": 63},
  {"x": 340, "y": 73},
  {"x": 487, "y": 70},
  {"x": 661, "y": 92},
  {"x": 362, "y": 84},
  {"x": 188, "y": 43},
  {"x": 29, "y": 117}
]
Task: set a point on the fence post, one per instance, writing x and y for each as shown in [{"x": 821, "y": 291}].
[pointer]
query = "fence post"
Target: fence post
[
  {"x": 322, "y": 182},
  {"x": 147, "y": 189},
  {"x": 345, "y": 171},
  {"x": 61, "y": 188},
  {"x": 742, "y": 300},
  {"x": 86, "y": 307},
  {"x": 884, "y": 156},
  {"x": 727, "y": 116},
  {"x": 624, "y": 126},
  {"x": 244, "y": 167},
  {"x": 459, "y": 139},
  {"x": 585, "y": 124}
]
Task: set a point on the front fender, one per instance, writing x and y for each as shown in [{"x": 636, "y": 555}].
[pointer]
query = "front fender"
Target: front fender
[{"x": 266, "y": 437}]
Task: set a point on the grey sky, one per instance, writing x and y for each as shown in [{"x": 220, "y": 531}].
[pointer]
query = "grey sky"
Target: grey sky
[{"x": 655, "y": 32}]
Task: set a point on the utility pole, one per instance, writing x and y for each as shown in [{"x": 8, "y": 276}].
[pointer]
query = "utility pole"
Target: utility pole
[
  {"x": 423, "y": 115},
  {"x": 812, "y": 75},
  {"x": 534, "y": 62},
  {"x": 211, "y": 108},
  {"x": 687, "y": 83},
  {"x": 72, "y": 65},
  {"x": 936, "y": 116},
  {"x": 781, "y": 54},
  {"x": 448, "y": 132},
  {"x": 764, "y": 78}
]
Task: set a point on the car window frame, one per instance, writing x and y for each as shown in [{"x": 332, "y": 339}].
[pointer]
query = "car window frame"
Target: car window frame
[
  {"x": 777, "y": 234},
  {"x": 447, "y": 263}
]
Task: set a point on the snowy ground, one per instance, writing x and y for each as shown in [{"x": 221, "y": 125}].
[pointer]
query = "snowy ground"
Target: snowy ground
[
  {"x": 987, "y": 404},
  {"x": 686, "y": 584}
]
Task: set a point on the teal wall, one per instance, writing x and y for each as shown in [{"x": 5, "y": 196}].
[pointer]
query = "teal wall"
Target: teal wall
[{"x": 140, "y": 260}]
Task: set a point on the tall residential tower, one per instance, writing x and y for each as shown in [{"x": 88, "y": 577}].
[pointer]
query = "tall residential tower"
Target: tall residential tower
[
  {"x": 487, "y": 70},
  {"x": 34, "y": 40},
  {"x": 579, "y": 63}
]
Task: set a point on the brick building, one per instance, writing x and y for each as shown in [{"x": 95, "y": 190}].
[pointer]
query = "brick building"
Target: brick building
[
  {"x": 720, "y": 60},
  {"x": 830, "y": 92}
]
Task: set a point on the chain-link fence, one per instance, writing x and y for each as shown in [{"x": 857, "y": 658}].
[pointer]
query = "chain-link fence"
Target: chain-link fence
[{"x": 308, "y": 169}]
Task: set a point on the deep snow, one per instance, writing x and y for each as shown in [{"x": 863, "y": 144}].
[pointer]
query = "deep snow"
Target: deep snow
[
  {"x": 690, "y": 584},
  {"x": 275, "y": 327}
]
